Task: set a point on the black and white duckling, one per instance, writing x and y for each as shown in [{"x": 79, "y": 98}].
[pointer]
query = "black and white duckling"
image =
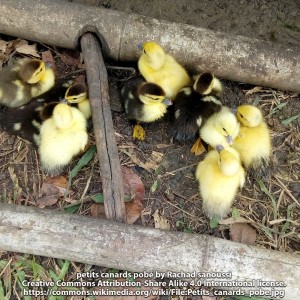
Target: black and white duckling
[
  {"x": 220, "y": 175},
  {"x": 76, "y": 94},
  {"x": 143, "y": 102},
  {"x": 62, "y": 137},
  {"x": 194, "y": 105},
  {"x": 25, "y": 121},
  {"x": 27, "y": 79},
  {"x": 158, "y": 67}
]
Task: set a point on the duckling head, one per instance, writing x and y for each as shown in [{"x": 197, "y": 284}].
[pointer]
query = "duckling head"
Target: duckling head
[
  {"x": 32, "y": 71},
  {"x": 151, "y": 93},
  {"x": 153, "y": 54},
  {"x": 227, "y": 125},
  {"x": 63, "y": 115},
  {"x": 229, "y": 161},
  {"x": 249, "y": 115},
  {"x": 207, "y": 83},
  {"x": 76, "y": 93}
]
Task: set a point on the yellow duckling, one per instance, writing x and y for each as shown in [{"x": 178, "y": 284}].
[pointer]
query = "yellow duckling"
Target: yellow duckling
[
  {"x": 254, "y": 141},
  {"x": 77, "y": 94},
  {"x": 220, "y": 175},
  {"x": 158, "y": 67},
  {"x": 27, "y": 79},
  {"x": 220, "y": 129},
  {"x": 63, "y": 136},
  {"x": 193, "y": 106},
  {"x": 143, "y": 102}
]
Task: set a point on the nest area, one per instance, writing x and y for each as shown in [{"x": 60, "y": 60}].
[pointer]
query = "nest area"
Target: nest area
[{"x": 269, "y": 203}]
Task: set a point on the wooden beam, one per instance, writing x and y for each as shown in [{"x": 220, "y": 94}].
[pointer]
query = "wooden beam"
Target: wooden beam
[
  {"x": 228, "y": 56},
  {"x": 110, "y": 169},
  {"x": 136, "y": 248}
]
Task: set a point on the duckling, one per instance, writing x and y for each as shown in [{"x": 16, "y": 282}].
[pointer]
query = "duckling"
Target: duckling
[
  {"x": 143, "y": 102},
  {"x": 219, "y": 175},
  {"x": 25, "y": 80},
  {"x": 194, "y": 105},
  {"x": 77, "y": 94},
  {"x": 253, "y": 141},
  {"x": 158, "y": 67},
  {"x": 25, "y": 121},
  {"x": 220, "y": 129},
  {"x": 63, "y": 136}
]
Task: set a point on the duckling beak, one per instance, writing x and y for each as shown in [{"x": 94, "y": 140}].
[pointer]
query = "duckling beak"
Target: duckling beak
[
  {"x": 167, "y": 102},
  {"x": 140, "y": 46},
  {"x": 48, "y": 65},
  {"x": 234, "y": 111},
  {"x": 229, "y": 139},
  {"x": 219, "y": 148},
  {"x": 64, "y": 100}
]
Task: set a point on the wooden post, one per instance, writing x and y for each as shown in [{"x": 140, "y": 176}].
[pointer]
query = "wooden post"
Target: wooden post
[
  {"x": 136, "y": 248},
  {"x": 110, "y": 168}
]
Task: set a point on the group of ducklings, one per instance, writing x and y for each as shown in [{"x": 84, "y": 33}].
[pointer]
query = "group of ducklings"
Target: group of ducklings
[
  {"x": 49, "y": 113},
  {"x": 58, "y": 128},
  {"x": 238, "y": 139}
]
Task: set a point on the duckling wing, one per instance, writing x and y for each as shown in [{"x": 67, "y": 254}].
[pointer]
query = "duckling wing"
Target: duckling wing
[
  {"x": 24, "y": 121},
  {"x": 190, "y": 113}
]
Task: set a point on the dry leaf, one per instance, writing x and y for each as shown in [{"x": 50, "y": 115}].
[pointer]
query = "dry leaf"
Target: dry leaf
[
  {"x": 3, "y": 46},
  {"x": 231, "y": 220},
  {"x": 152, "y": 163},
  {"x": 47, "y": 57},
  {"x": 256, "y": 89},
  {"x": 58, "y": 181},
  {"x": 160, "y": 222},
  {"x": 52, "y": 189},
  {"x": 134, "y": 188},
  {"x": 23, "y": 47},
  {"x": 242, "y": 233},
  {"x": 97, "y": 210},
  {"x": 70, "y": 57},
  {"x": 47, "y": 201}
]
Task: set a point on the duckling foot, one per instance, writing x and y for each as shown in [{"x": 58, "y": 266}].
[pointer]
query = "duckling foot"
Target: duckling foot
[
  {"x": 198, "y": 147},
  {"x": 138, "y": 132}
]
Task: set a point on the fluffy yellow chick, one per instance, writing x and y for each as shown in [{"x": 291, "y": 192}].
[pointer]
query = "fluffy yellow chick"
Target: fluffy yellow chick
[
  {"x": 158, "y": 67},
  {"x": 219, "y": 175},
  {"x": 253, "y": 141},
  {"x": 25, "y": 80},
  {"x": 220, "y": 129},
  {"x": 61, "y": 138}
]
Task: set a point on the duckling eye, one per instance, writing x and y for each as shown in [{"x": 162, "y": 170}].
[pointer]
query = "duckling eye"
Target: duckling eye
[
  {"x": 144, "y": 51},
  {"x": 224, "y": 129},
  {"x": 241, "y": 115}
]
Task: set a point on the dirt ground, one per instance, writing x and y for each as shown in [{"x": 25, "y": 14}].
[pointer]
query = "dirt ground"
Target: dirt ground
[{"x": 170, "y": 186}]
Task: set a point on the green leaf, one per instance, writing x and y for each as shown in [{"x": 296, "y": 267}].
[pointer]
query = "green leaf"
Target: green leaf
[
  {"x": 84, "y": 160},
  {"x": 289, "y": 120},
  {"x": 98, "y": 198},
  {"x": 214, "y": 221},
  {"x": 64, "y": 270},
  {"x": 235, "y": 213},
  {"x": 154, "y": 186},
  {"x": 71, "y": 209},
  {"x": 20, "y": 278},
  {"x": 265, "y": 190},
  {"x": 2, "y": 296}
]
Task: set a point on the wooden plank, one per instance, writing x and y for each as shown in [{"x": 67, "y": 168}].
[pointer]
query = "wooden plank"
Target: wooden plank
[
  {"x": 136, "y": 248},
  {"x": 110, "y": 168}
]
